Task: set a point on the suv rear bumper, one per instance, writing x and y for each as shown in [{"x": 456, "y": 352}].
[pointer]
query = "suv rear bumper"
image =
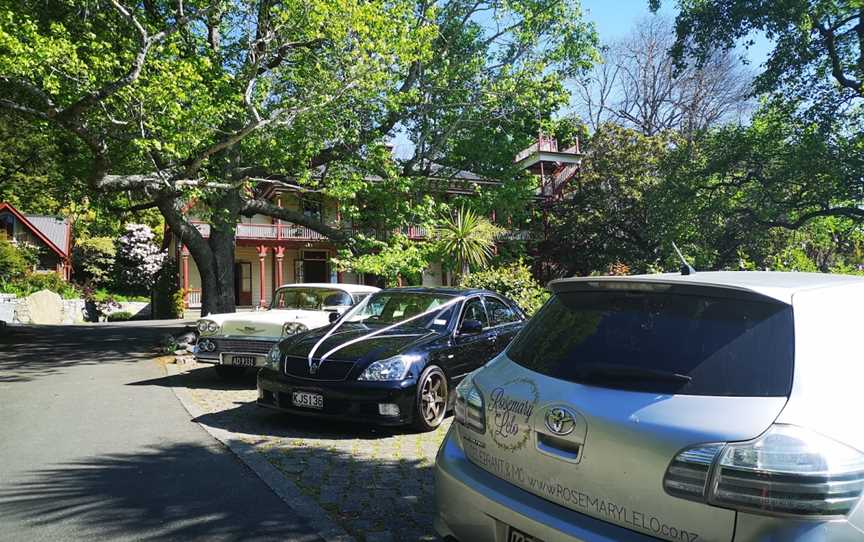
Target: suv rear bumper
[{"x": 473, "y": 505}]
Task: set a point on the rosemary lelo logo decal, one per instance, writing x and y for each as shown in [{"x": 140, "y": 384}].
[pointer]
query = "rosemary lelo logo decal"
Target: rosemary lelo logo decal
[{"x": 510, "y": 407}]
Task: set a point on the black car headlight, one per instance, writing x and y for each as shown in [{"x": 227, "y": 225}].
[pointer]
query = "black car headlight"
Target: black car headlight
[
  {"x": 273, "y": 358},
  {"x": 390, "y": 369}
]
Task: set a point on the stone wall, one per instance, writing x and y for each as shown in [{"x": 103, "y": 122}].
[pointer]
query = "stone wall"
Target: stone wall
[{"x": 48, "y": 308}]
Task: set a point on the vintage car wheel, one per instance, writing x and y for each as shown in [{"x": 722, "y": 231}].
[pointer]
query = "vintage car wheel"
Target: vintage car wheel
[
  {"x": 432, "y": 395},
  {"x": 229, "y": 372}
]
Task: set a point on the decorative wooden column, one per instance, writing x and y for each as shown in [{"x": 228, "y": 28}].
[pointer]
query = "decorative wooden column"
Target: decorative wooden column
[
  {"x": 280, "y": 254},
  {"x": 184, "y": 254},
  {"x": 262, "y": 254}
]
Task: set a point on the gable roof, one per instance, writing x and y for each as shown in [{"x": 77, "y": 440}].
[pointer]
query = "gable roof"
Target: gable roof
[{"x": 52, "y": 231}]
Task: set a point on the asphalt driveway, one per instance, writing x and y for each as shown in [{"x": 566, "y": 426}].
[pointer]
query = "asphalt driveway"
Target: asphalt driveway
[{"x": 86, "y": 455}]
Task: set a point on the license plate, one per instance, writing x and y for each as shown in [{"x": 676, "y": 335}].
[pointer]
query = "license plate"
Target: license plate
[
  {"x": 242, "y": 361},
  {"x": 515, "y": 535},
  {"x": 304, "y": 399}
]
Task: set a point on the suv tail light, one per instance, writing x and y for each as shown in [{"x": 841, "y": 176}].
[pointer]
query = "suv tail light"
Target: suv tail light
[
  {"x": 787, "y": 470},
  {"x": 468, "y": 410}
]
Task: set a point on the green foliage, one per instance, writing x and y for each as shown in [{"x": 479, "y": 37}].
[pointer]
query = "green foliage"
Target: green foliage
[
  {"x": 178, "y": 303},
  {"x": 93, "y": 260},
  {"x": 120, "y": 316},
  {"x": 168, "y": 298},
  {"x": 34, "y": 282},
  {"x": 399, "y": 261},
  {"x": 816, "y": 56},
  {"x": 620, "y": 209},
  {"x": 514, "y": 281},
  {"x": 465, "y": 239},
  {"x": 14, "y": 264}
]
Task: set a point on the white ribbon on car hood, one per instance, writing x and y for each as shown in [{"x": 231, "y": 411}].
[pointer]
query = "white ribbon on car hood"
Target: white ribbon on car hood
[{"x": 372, "y": 334}]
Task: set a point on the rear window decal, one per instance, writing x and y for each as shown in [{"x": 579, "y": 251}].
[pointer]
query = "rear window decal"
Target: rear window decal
[{"x": 510, "y": 407}]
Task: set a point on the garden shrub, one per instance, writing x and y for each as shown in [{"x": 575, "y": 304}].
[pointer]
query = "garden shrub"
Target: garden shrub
[
  {"x": 93, "y": 259},
  {"x": 168, "y": 300},
  {"x": 121, "y": 316},
  {"x": 14, "y": 263},
  {"x": 138, "y": 259},
  {"x": 514, "y": 281}
]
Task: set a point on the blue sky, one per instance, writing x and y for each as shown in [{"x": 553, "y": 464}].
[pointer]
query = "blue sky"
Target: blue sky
[{"x": 615, "y": 18}]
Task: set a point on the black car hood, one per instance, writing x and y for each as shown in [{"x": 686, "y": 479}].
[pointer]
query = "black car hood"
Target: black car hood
[{"x": 381, "y": 346}]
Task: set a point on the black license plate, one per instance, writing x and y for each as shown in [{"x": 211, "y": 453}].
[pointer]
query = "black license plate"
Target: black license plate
[
  {"x": 304, "y": 399},
  {"x": 242, "y": 361},
  {"x": 515, "y": 535}
]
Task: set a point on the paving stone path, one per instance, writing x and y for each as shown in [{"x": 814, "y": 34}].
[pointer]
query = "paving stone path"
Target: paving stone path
[{"x": 374, "y": 482}]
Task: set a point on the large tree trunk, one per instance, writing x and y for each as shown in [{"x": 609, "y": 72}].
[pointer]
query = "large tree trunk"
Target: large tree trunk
[
  {"x": 217, "y": 293},
  {"x": 214, "y": 257}
]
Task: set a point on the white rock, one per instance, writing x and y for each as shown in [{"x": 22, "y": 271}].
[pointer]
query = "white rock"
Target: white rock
[{"x": 45, "y": 307}]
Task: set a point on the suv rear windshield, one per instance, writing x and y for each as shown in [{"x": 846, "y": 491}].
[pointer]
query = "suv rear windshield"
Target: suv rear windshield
[{"x": 662, "y": 342}]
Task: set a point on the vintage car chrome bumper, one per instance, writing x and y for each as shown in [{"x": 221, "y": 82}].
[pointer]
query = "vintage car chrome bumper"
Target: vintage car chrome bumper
[{"x": 221, "y": 349}]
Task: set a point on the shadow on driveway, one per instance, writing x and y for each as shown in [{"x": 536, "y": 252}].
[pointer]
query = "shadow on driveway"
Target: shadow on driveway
[
  {"x": 31, "y": 352},
  {"x": 140, "y": 495}
]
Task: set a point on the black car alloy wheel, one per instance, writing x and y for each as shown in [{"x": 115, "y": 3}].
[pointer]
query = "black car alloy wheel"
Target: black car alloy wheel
[{"x": 431, "y": 399}]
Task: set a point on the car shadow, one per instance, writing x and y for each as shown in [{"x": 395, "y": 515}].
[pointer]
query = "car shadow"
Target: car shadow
[{"x": 201, "y": 378}]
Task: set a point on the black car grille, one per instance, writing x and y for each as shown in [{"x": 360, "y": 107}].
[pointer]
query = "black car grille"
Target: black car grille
[
  {"x": 328, "y": 370},
  {"x": 241, "y": 346}
]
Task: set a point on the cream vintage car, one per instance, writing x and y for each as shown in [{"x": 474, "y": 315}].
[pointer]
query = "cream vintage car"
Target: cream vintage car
[{"x": 240, "y": 340}]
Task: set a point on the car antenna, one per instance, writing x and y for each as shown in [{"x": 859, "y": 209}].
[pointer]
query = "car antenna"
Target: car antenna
[{"x": 686, "y": 268}]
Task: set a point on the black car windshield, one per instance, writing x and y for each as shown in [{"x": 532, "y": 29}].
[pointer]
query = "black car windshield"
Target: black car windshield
[
  {"x": 385, "y": 308},
  {"x": 313, "y": 299},
  {"x": 662, "y": 342}
]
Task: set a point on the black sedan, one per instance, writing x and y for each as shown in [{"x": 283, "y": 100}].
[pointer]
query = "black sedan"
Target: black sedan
[{"x": 393, "y": 359}]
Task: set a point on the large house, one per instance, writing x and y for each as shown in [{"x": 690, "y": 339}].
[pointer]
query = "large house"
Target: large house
[
  {"x": 50, "y": 234},
  {"x": 271, "y": 252}
]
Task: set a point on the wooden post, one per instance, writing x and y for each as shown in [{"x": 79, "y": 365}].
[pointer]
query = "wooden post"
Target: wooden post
[
  {"x": 280, "y": 254},
  {"x": 262, "y": 254},
  {"x": 185, "y": 256}
]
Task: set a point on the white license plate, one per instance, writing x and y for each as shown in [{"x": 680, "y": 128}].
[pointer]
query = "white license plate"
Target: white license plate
[
  {"x": 515, "y": 535},
  {"x": 304, "y": 399},
  {"x": 242, "y": 361}
]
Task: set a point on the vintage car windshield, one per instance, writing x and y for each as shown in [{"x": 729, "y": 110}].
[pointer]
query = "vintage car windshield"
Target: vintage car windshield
[
  {"x": 385, "y": 308},
  {"x": 312, "y": 299}
]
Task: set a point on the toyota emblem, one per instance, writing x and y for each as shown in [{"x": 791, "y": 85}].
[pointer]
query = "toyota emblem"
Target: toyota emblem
[{"x": 560, "y": 421}]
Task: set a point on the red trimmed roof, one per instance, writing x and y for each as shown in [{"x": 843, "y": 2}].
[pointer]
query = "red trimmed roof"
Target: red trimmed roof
[{"x": 63, "y": 253}]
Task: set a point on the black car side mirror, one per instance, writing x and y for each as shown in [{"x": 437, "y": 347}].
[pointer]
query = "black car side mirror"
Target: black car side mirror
[
  {"x": 333, "y": 316},
  {"x": 470, "y": 327}
]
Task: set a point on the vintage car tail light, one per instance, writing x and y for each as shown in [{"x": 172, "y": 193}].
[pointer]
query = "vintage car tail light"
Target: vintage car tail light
[
  {"x": 468, "y": 410},
  {"x": 787, "y": 470}
]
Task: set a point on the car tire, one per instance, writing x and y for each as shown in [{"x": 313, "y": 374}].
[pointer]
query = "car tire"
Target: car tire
[
  {"x": 430, "y": 405},
  {"x": 229, "y": 372}
]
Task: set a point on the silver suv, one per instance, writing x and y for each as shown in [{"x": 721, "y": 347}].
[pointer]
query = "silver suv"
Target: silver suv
[{"x": 710, "y": 407}]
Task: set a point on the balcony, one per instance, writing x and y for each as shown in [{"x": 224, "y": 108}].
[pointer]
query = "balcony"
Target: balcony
[{"x": 287, "y": 231}]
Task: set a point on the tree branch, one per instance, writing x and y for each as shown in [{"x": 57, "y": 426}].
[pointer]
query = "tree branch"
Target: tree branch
[
  {"x": 836, "y": 64},
  {"x": 258, "y": 206}
]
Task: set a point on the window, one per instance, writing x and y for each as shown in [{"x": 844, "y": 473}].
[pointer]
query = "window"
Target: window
[
  {"x": 310, "y": 299},
  {"x": 7, "y": 222},
  {"x": 312, "y": 208},
  {"x": 392, "y": 307},
  {"x": 710, "y": 345},
  {"x": 474, "y": 311},
  {"x": 499, "y": 312}
]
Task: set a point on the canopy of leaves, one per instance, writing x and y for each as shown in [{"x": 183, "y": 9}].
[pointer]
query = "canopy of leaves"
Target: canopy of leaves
[{"x": 514, "y": 281}]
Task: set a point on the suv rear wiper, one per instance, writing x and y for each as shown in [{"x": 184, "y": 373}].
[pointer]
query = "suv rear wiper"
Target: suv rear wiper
[{"x": 622, "y": 373}]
